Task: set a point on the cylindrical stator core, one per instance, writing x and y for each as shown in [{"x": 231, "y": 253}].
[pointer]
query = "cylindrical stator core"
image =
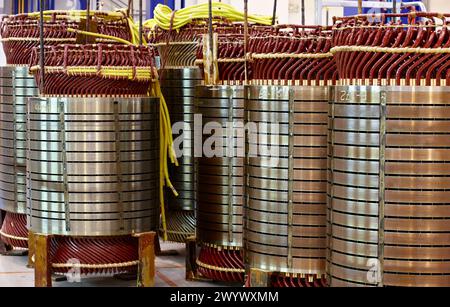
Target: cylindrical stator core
[
  {"x": 220, "y": 196},
  {"x": 286, "y": 204},
  {"x": 220, "y": 177},
  {"x": 389, "y": 181},
  {"x": 93, "y": 166},
  {"x": 16, "y": 86},
  {"x": 178, "y": 87}
]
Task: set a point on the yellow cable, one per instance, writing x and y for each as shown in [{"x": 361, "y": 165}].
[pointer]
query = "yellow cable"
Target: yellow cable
[
  {"x": 117, "y": 39},
  {"x": 166, "y": 142},
  {"x": 164, "y": 15}
]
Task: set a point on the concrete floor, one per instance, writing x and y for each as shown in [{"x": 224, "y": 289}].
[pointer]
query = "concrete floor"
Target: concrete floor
[{"x": 170, "y": 272}]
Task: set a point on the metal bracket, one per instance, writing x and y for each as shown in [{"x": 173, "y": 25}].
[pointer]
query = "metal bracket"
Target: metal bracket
[
  {"x": 331, "y": 137},
  {"x": 14, "y": 135},
  {"x": 62, "y": 129},
  {"x": 231, "y": 95},
  {"x": 118, "y": 163},
  {"x": 381, "y": 183},
  {"x": 290, "y": 178}
]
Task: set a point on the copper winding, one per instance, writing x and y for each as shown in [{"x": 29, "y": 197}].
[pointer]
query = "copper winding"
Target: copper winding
[
  {"x": 375, "y": 50},
  {"x": 20, "y": 33},
  {"x": 94, "y": 254},
  {"x": 14, "y": 230},
  {"x": 221, "y": 263},
  {"x": 291, "y": 54},
  {"x": 96, "y": 70}
]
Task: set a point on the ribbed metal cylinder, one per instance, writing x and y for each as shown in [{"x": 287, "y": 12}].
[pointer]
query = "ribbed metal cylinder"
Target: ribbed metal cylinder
[
  {"x": 389, "y": 186},
  {"x": 93, "y": 166},
  {"x": 287, "y": 175},
  {"x": 178, "y": 87},
  {"x": 220, "y": 179},
  {"x": 16, "y": 86}
]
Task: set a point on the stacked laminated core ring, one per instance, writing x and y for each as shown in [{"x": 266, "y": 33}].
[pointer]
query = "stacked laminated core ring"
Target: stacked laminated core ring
[
  {"x": 93, "y": 172},
  {"x": 16, "y": 87},
  {"x": 178, "y": 86},
  {"x": 286, "y": 205},
  {"x": 220, "y": 179},
  {"x": 389, "y": 207}
]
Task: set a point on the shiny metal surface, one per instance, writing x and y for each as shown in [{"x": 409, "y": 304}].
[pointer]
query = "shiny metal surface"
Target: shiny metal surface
[
  {"x": 220, "y": 196},
  {"x": 92, "y": 165},
  {"x": 178, "y": 86},
  {"x": 286, "y": 204},
  {"x": 389, "y": 182},
  {"x": 16, "y": 85}
]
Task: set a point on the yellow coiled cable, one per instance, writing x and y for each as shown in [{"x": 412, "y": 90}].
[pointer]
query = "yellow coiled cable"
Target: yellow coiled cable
[
  {"x": 165, "y": 18},
  {"x": 78, "y": 14}
]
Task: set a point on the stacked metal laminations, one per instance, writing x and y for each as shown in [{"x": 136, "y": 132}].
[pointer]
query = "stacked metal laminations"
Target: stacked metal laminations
[
  {"x": 92, "y": 166},
  {"x": 285, "y": 233},
  {"x": 221, "y": 172},
  {"x": 16, "y": 86},
  {"x": 220, "y": 187},
  {"x": 178, "y": 86},
  {"x": 178, "y": 77},
  {"x": 389, "y": 206}
]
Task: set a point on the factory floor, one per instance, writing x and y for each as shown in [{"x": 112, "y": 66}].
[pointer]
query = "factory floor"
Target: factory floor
[{"x": 170, "y": 272}]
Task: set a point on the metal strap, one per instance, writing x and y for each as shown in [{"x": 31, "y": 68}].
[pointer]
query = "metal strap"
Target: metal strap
[
  {"x": 248, "y": 97},
  {"x": 230, "y": 167},
  {"x": 118, "y": 163},
  {"x": 14, "y": 135},
  {"x": 29, "y": 198},
  {"x": 62, "y": 129},
  {"x": 291, "y": 178},
  {"x": 381, "y": 185},
  {"x": 331, "y": 137}
]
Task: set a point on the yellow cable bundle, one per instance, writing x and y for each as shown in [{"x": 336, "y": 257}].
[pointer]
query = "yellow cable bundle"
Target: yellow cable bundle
[
  {"x": 164, "y": 15},
  {"x": 78, "y": 14},
  {"x": 165, "y": 149}
]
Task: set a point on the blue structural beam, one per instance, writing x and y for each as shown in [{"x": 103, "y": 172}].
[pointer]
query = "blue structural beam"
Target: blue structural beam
[
  {"x": 83, "y": 4},
  {"x": 49, "y": 5},
  {"x": 29, "y": 6}
]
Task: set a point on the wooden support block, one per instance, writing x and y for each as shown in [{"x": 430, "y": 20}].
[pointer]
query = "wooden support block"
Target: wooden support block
[
  {"x": 146, "y": 268},
  {"x": 260, "y": 278},
  {"x": 42, "y": 265},
  {"x": 31, "y": 249},
  {"x": 191, "y": 257}
]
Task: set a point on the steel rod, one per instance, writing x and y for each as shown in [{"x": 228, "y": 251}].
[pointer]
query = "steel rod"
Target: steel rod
[
  {"x": 303, "y": 12},
  {"x": 245, "y": 38},
  {"x": 140, "y": 23},
  {"x": 88, "y": 18},
  {"x": 41, "y": 44},
  {"x": 360, "y": 6},
  {"x": 210, "y": 32},
  {"x": 274, "y": 15},
  {"x": 394, "y": 6},
  {"x": 130, "y": 8}
]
